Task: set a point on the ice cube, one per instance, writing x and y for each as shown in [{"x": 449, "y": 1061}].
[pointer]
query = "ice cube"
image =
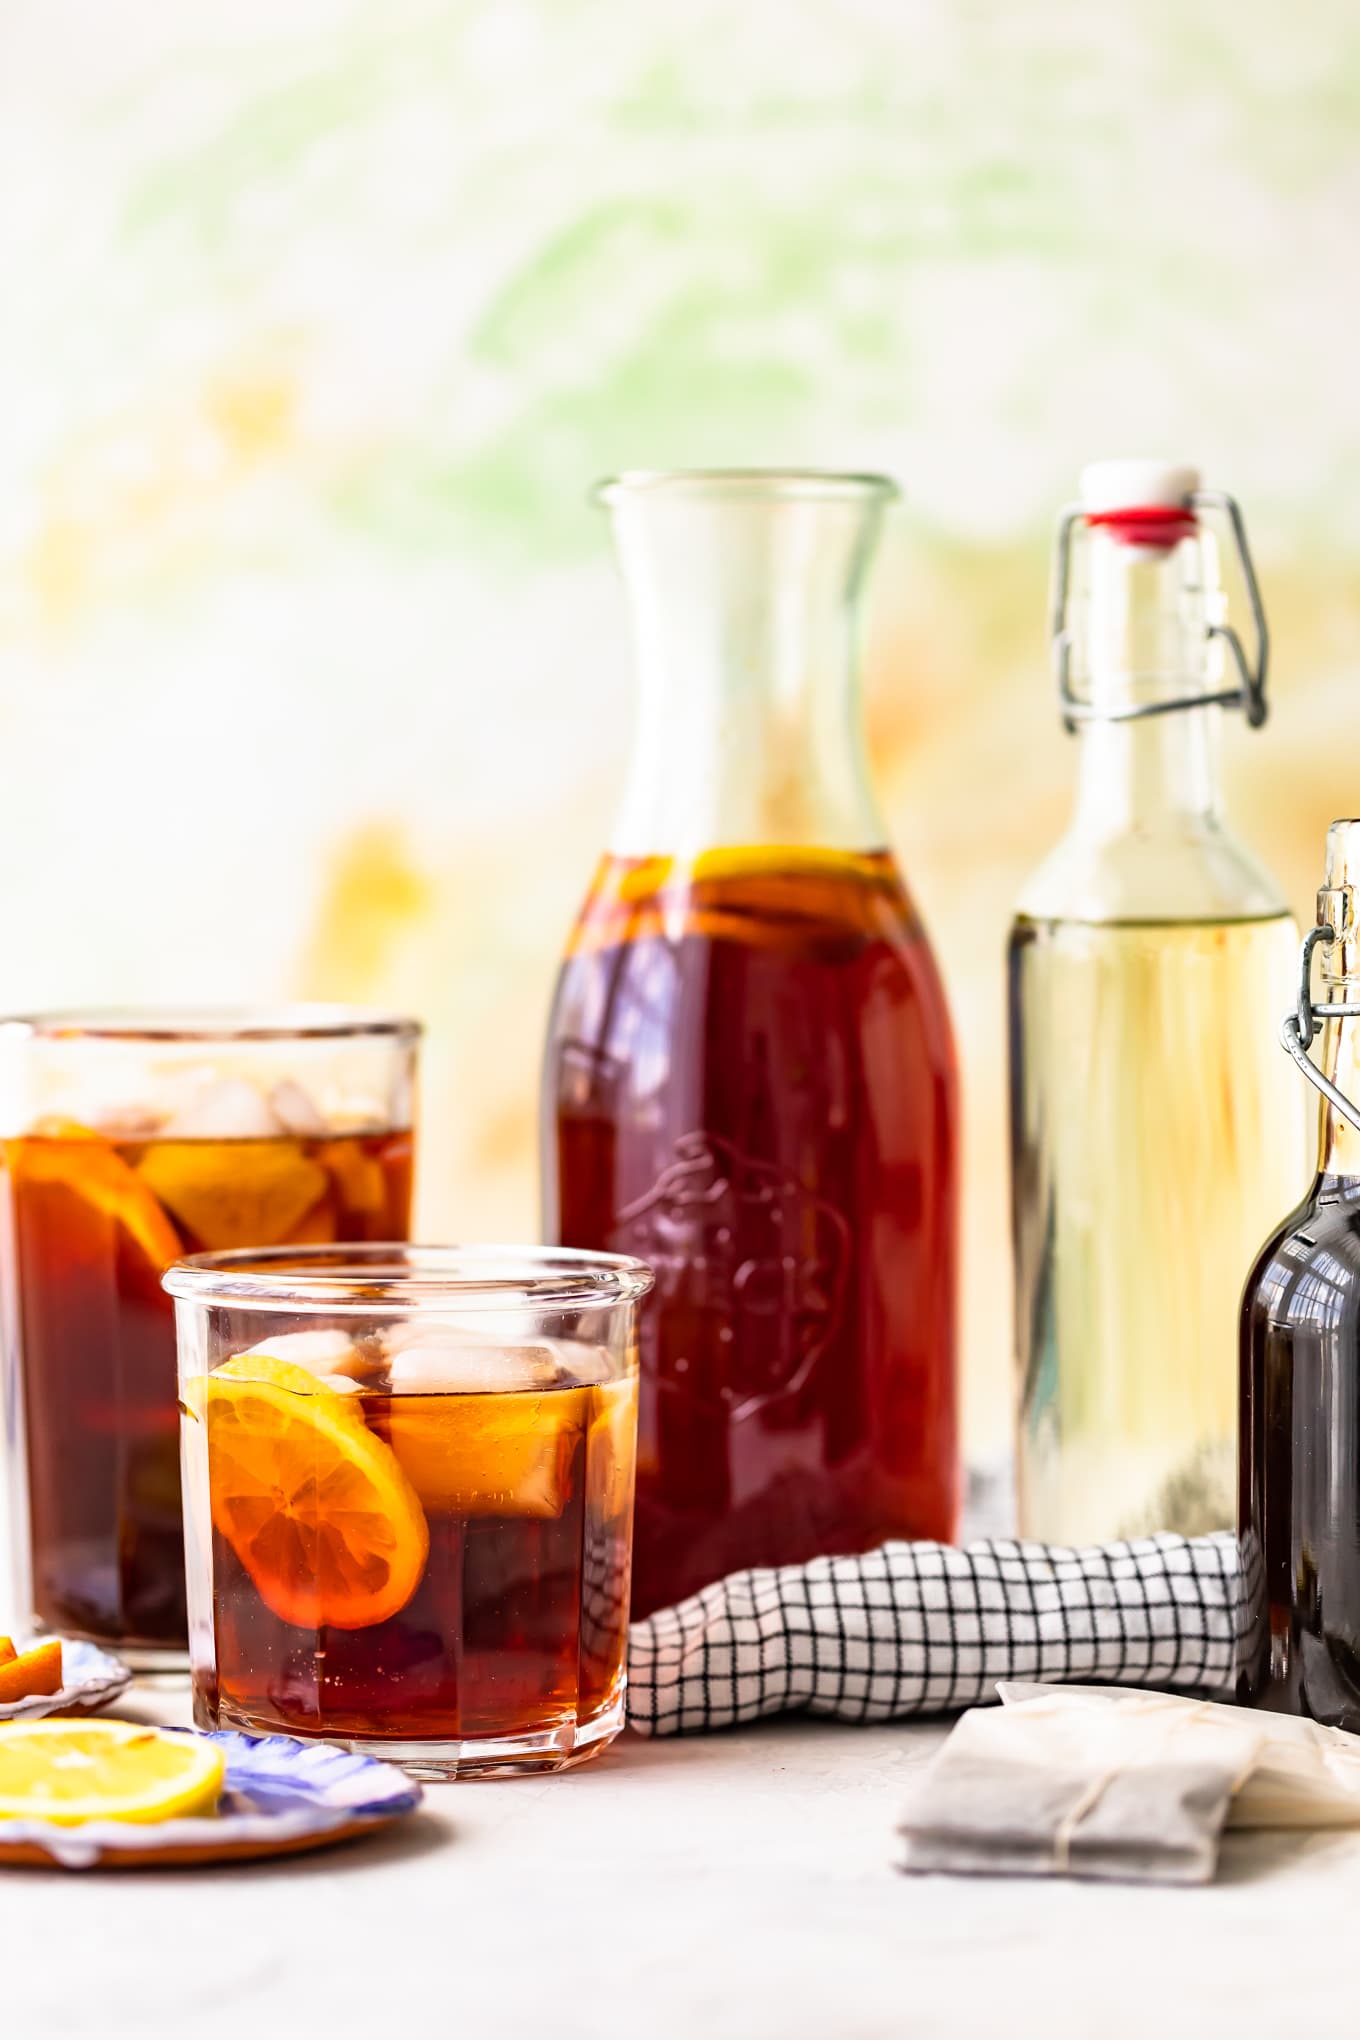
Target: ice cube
[
  {"x": 324, "y": 1353},
  {"x": 357, "y": 1115},
  {"x": 442, "y": 1361},
  {"x": 297, "y": 1111},
  {"x": 128, "y": 1123},
  {"x": 227, "y": 1109},
  {"x": 590, "y": 1366},
  {"x": 490, "y": 1454}
]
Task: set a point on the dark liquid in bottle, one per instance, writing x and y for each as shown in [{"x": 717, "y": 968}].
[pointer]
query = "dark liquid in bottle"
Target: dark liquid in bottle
[
  {"x": 750, "y": 1085},
  {"x": 1299, "y": 1502}
]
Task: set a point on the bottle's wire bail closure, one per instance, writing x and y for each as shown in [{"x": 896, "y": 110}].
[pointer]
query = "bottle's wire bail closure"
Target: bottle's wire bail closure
[
  {"x": 1299, "y": 1029},
  {"x": 1250, "y": 696}
]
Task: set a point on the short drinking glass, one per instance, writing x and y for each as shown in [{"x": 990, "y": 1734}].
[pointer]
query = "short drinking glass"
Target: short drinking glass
[{"x": 408, "y": 1478}]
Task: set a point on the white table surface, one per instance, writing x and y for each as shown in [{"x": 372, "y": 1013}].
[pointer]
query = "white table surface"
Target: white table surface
[{"x": 727, "y": 1887}]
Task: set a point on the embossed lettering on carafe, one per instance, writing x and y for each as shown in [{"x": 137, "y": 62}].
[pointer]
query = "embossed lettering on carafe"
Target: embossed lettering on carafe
[{"x": 740, "y": 1244}]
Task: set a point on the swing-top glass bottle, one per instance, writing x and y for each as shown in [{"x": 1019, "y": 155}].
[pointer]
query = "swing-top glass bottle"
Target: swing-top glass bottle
[
  {"x": 1299, "y": 1499},
  {"x": 1154, "y": 1134}
]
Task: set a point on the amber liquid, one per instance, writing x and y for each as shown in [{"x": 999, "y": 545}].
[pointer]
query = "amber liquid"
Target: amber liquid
[
  {"x": 1149, "y": 1133},
  {"x": 93, "y": 1225},
  {"x": 517, "y": 1628},
  {"x": 750, "y": 1085}
]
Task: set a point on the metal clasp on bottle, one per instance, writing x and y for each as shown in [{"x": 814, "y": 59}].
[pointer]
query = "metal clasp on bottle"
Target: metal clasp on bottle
[
  {"x": 1299, "y": 1029},
  {"x": 1250, "y": 696}
]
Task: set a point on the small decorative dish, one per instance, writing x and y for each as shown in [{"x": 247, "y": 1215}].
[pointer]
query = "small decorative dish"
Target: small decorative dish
[
  {"x": 279, "y": 1796},
  {"x": 90, "y": 1679}
]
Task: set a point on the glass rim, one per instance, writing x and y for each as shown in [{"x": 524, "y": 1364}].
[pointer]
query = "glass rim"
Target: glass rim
[
  {"x": 787, "y": 484},
  {"x": 404, "y": 1278},
  {"x": 302, "y": 1021}
]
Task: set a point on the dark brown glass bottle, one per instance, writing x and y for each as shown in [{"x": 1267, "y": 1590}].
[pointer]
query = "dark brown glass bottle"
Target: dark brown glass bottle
[{"x": 1299, "y": 1431}]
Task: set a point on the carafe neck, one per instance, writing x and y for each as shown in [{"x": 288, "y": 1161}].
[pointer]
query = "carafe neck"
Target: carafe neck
[{"x": 745, "y": 592}]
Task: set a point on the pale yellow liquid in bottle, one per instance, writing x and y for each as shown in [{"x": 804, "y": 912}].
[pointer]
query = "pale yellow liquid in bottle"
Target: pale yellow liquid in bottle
[{"x": 1159, "y": 1133}]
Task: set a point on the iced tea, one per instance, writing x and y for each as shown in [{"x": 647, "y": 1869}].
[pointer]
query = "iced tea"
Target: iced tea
[
  {"x": 750, "y": 1085},
  {"x": 409, "y": 1537},
  {"x": 94, "y": 1220}
]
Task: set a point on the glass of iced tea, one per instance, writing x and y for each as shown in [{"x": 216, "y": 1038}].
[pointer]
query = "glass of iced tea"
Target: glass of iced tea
[
  {"x": 128, "y": 1141},
  {"x": 408, "y": 1478}
]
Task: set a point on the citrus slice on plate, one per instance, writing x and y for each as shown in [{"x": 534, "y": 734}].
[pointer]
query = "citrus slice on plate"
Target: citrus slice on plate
[
  {"x": 317, "y": 1509},
  {"x": 67, "y": 1161},
  {"x": 73, "y": 1771}
]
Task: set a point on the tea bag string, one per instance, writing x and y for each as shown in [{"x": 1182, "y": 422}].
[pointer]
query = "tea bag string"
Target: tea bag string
[
  {"x": 1076, "y": 1814},
  {"x": 1066, "y": 1829}
]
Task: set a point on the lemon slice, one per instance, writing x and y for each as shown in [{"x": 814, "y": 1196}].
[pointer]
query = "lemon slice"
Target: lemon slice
[
  {"x": 275, "y": 1372},
  {"x": 315, "y": 1506},
  {"x": 74, "y": 1771}
]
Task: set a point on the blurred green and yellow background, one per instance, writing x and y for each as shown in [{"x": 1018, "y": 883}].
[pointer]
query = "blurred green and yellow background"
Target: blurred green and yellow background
[{"x": 318, "y": 317}]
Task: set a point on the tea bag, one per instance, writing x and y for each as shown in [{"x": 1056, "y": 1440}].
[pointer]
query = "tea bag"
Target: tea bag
[
  {"x": 1054, "y": 1787},
  {"x": 1305, "y": 1775}
]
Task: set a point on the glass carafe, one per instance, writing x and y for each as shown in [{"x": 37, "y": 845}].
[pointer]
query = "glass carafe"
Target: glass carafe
[
  {"x": 1154, "y": 1132},
  {"x": 1299, "y": 1498},
  {"x": 750, "y": 1080}
]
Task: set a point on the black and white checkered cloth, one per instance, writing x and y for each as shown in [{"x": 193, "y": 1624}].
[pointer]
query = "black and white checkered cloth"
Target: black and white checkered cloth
[{"x": 928, "y": 1628}]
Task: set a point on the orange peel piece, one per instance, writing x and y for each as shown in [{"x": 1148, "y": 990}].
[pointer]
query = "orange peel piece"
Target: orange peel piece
[{"x": 32, "y": 1671}]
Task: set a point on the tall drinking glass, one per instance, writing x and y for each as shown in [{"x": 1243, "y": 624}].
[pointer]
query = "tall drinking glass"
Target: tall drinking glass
[{"x": 127, "y": 1141}]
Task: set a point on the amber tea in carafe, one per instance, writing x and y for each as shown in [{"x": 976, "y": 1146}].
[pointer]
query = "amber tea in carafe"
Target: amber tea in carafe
[{"x": 750, "y": 1080}]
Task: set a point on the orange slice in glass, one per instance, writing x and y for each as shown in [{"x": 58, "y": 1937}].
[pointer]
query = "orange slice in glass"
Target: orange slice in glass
[
  {"x": 360, "y": 1175},
  {"x": 246, "y": 1193},
  {"x": 316, "y": 1508},
  {"x": 68, "y": 1159},
  {"x": 490, "y": 1455},
  {"x": 612, "y": 1445}
]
